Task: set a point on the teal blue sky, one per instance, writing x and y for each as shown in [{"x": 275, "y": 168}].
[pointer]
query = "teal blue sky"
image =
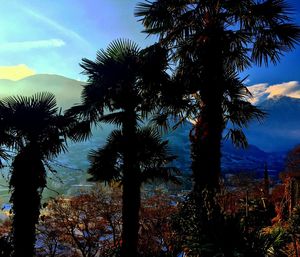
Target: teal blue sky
[{"x": 52, "y": 36}]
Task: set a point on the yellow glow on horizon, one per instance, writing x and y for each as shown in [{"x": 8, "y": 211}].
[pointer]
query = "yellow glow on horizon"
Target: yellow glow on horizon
[{"x": 16, "y": 72}]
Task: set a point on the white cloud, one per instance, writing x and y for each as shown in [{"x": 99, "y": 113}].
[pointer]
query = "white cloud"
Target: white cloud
[
  {"x": 29, "y": 45},
  {"x": 265, "y": 91},
  {"x": 67, "y": 32},
  {"x": 258, "y": 92},
  {"x": 291, "y": 89}
]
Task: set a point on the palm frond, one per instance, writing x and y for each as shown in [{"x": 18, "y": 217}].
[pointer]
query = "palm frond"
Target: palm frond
[
  {"x": 273, "y": 32},
  {"x": 152, "y": 155},
  {"x": 4, "y": 156},
  {"x": 270, "y": 11},
  {"x": 106, "y": 162},
  {"x": 241, "y": 112},
  {"x": 152, "y": 151},
  {"x": 116, "y": 118},
  {"x": 155, "y": 16},
  {"x": 43, "y": 101},
  {"x": 78, "y": 130},
  {"x": 166, "y": 174},
  {"x": 118, "y": 79},
  {"x": 34, "y": 120},
  {"x": 161, "y": 121},
  {"x": 84, "y": 112},
  {"x": 122, "y": 47},
  {"x": 237, "y": 137}
]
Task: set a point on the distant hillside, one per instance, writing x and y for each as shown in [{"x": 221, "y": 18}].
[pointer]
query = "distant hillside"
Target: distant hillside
[
  {"x": 280, "y": 131},
  {"x": 233, "y": 159},
  {"x": 67, "y": 91},
  {"x": 251, "y": 159},
  {"x": 269, "y": 141}
]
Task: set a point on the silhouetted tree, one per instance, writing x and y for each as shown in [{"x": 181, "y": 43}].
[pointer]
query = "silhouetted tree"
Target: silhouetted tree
[
  {"x": 37, "y": 133},
  {"x": 210, "y": 43},
  {"x": 121, "y": 90}
]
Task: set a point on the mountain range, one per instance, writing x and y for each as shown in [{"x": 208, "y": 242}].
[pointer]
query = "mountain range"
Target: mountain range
[
  {"x": 269, "y": 140},
  {"x": 280, "y": 130}
]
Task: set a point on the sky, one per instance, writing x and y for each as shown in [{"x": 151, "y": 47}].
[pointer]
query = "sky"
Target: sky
[{"x": 52, "y": 36}]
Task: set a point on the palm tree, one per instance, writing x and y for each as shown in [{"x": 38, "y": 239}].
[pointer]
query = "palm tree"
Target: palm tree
[
  {"x": 37, "y": 133},
  {"x": 211, "y": 41},
  {"x": 152, "y": 156},
  {"x": 120, "y": 90}
]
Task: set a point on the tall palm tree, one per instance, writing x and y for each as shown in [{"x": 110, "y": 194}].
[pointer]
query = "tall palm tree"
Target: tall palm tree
[
  {"x": 37, "y": 133},
  {"x": 120, "y": 90},
  {"x": 211, "y": 41}
]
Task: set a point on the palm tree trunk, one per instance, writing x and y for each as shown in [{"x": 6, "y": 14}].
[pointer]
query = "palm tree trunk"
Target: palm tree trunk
[
  {"x": 131, "y": 207},
  {"x": 206, "y": 153},
  {"x": 131, "y": 190},
  {"x": 26, "y": 184},
  {"x": 207, "y": 137},
  {"x": 206, "y": 167}
]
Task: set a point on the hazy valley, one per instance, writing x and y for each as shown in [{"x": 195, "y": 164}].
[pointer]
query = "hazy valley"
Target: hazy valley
[{"x": 269, "y": 141}]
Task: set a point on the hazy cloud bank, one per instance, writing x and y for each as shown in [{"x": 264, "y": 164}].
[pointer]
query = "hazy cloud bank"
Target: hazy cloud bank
[{"x": 265, "y": 91}]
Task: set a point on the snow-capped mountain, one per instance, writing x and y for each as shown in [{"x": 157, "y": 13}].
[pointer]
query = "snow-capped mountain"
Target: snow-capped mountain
[{"x": 280, "y": 130}]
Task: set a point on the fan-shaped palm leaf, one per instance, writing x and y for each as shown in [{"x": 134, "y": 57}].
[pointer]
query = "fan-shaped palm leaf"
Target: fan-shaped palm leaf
[
  {"x": 106, "y": 162},
  {"x": 152, "y": 157}
]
